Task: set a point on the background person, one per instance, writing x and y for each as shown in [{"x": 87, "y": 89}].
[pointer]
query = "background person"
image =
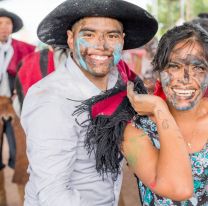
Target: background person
[
  {"x": 11, "y": 52},
  {"x": 148, "y": 76},
  {"x": 36, "y": 66}
]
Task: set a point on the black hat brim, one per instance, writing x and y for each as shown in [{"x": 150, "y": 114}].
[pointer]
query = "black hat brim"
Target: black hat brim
[
  {"x": 16, "y": 20},
  {"x": 139, "y": 25}
]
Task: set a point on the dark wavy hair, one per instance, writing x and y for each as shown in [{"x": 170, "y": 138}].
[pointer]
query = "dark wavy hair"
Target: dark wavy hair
[
  {"x": 189, "y": 33},
  {"x": 203, "y": 22}
]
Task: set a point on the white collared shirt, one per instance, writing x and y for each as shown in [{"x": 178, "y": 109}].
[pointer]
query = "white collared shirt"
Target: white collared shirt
[{"x": 61, "y": 171}]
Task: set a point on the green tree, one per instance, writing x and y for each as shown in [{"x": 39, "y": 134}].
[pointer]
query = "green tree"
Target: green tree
[{"x": 169, "y": 12}]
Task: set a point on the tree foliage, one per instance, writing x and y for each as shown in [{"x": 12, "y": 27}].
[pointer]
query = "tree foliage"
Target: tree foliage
[{"x": 169, "y": 12}]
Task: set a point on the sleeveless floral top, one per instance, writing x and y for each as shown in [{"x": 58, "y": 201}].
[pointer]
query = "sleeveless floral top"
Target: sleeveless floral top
[{"x": 199, "y": 161}]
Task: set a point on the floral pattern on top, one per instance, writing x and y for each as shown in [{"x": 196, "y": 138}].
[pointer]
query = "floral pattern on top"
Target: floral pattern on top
[{"x": 199, "y": 162}]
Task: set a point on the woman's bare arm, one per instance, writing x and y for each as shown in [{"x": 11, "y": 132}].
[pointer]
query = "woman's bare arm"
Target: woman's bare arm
[{"x": 167, "y": 171}]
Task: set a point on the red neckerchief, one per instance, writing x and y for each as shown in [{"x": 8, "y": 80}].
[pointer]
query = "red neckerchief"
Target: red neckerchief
[{"x": 109, "y": 105}]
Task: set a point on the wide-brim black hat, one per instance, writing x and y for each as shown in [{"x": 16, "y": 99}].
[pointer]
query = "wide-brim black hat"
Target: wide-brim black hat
[
  {"x": 139, "y": 25},
  {"x": 16, "y": 20}
]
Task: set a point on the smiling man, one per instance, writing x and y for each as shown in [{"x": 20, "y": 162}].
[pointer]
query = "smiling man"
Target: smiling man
[
  {"x": 62, "y": 172},
  {"x": 96, "y": 47}
]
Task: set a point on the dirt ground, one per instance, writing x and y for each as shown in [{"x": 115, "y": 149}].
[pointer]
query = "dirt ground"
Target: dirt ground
[
  {"x": 11, "y": 188},
  {"x": 129, "y": 192}
]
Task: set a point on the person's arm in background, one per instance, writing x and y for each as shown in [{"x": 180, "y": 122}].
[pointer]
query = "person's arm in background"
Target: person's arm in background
[
  {"x": 51, "y": 149},
  {"x": 167, "y": 171}
]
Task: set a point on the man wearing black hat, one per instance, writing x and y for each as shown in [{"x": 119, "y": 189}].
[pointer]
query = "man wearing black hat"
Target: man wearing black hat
[
  {"x": 11, "y": 52},
  {"x": 62, "y": 172}
]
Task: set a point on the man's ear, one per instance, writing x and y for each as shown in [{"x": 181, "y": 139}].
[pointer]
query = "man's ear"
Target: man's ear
[
  {"x": 124, "y": 38},
  {"x": 70, "y": 39}
]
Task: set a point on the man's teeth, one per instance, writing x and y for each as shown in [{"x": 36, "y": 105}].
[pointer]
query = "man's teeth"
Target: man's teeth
[
  {"x": 97, "y": 57},
  {"x": 184, "y": 93}
]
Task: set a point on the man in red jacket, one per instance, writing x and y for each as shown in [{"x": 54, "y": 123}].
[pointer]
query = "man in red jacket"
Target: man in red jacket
[
  {"x": 11, "y": 52},
  {"x": 36, "y": 66}
]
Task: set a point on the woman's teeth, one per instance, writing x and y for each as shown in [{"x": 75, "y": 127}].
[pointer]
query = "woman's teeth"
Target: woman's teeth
[{"x": 184, "y": 93}]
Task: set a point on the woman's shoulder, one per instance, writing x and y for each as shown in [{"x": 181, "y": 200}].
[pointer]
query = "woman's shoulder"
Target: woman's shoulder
[
  {"x": 203, "y": 112},
  {"x": 204, "y": 103},
  {"x": 132, "y": 130},
  {"x": 144, "y": 125}
]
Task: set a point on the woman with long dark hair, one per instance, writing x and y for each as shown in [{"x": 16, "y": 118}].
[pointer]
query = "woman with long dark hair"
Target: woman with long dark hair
[{"x": 170, "y": 137}]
